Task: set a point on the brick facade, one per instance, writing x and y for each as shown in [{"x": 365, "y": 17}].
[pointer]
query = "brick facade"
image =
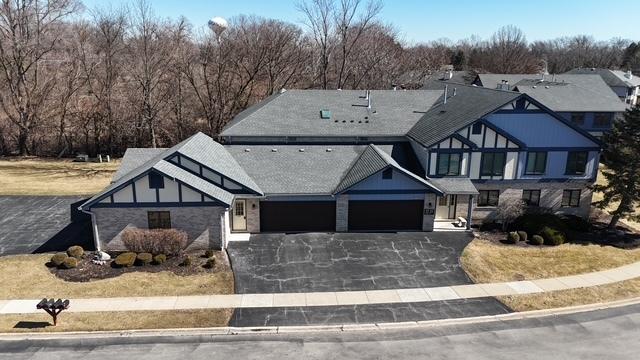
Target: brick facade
[
  {"x": 202, "y": 224},
  {"x": 253, "y": 215}
]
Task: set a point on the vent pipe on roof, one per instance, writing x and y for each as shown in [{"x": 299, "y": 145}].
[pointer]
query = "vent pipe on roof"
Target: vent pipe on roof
[
  {"x": 446, "y": 93},
  {"x": 368, "y": 100},
  {"x": 629, "y": 75},
  {"x": 455, "y": 90}
]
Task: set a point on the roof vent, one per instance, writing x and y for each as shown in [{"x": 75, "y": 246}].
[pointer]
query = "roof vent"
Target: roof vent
[
  {"x": 283, "y": 90},
  {"x": 274, "y": 150},
  {"x": 329, "y": 150},
  {"x": 325, "y": 114},
  {"x": 301, "y": 150},
  {"x": 546, "y": 87},
  {"x": 247, "y": 150}
]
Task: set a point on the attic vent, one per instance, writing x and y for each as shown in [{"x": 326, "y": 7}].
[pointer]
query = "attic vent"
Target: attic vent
[
  {"x": 247, "y": 150},
  {"x": 329, "y": 150},
  {"x": 325, "y": 114},
  {"x": 301, "y": 150},
  {"x": 274, "y": 150}
]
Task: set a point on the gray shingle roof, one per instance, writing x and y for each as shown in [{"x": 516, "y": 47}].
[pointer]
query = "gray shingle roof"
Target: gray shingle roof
[
  {"x": 610, "y": 77},
  {"x": 133, "y": 158},
  {"x": 438, "y": 80},
  {"x": 566, "y": 92},
  {"x": 458, "y": 186},
  {"x": 194, "y": 181},
  {"x": 371, "y": 161},
  {"x": 297, "y": 113},
  {"x": 470, "y": 104}
]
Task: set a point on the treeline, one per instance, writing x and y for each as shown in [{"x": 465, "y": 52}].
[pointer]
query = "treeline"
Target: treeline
[{"x": 118, "y": 78}]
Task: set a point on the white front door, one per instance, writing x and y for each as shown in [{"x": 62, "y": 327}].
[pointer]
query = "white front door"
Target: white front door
[{"x": 239, "y": 218}]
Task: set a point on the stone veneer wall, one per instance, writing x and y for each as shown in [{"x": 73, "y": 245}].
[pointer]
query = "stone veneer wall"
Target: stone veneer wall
[
  {"x": 253, "y": 215},
  {"x": 550, "y": 197},
  {"x": 202, "y": 224},
  {"x": 342, "y": 213},
  {"x": 428, "y": 212}
]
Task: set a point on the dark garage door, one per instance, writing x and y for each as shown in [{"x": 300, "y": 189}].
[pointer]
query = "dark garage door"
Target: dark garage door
[
  {"x": 297, "y": 216},
  {"x": 385, "y": 215}
]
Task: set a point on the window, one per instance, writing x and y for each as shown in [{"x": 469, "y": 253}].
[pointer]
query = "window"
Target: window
[
  {"x": 387, "y": 173},
  {"x": 570, "y": 198},
  {"x": 239, "y": 208},
  {"x": 449, "y": 164},
  {"x": 536, "y": 163},
  {"x": 531, "y": 197},
  {"x": 159, "y": 219},
  {"x": 488, "y": 197},
  {"x": 492, "y": 164},
  {"x": 156, "y": 181},
  {"x": 602, "y": 120},
  {"x": 577, "y": 119},
  {"x": 477, "y": 128},
  {"x": 576, "y": 162}
]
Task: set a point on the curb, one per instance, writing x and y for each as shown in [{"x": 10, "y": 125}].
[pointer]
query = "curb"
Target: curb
[{"x": 338, "y": 328}]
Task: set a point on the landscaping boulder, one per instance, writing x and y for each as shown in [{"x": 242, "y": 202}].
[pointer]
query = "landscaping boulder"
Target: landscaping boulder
[
  {"x": 58, "y": 259},
  {"x": 126, "y": 259},
  {"x": 159, "y": 259},
  {"x": 69, "y": 263},
  {"x": 144, "y": 259}
]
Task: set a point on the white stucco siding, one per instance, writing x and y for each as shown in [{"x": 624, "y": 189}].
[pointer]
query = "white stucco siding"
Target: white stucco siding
[
  {"x": 189, "y": 195},
  {"x": 170, "y": 191},
  {"x": 474, "y": 172},
  {"x": 124, "y": 195},
  {"x": 490, "y": 139},
  {"x": 143, "y": 192},
  {"x": 434, "y": 162},
  {"x": 511, "y": 165},
  {"x": 464, "y": 164}
]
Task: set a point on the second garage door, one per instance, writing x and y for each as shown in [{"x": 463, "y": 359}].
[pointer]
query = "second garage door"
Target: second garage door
[
  {"x": 385, "y": 215},
  {"x": 297, "y": 216}
]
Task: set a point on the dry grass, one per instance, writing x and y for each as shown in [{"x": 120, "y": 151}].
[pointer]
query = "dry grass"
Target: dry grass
[
  {"x": 53, "y": 177},
  {"x": 123, "y": 320},
  {"x": 487, "y": 262},
  {"x": 597, "y": 196},
  {"x": 26, "y": 277}
]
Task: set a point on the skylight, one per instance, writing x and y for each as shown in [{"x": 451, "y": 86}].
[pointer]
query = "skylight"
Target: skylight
[{"x": 325, "y": 114}]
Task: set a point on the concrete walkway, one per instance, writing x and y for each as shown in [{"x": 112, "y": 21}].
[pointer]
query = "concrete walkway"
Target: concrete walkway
[{"x": 335, "y": 298}]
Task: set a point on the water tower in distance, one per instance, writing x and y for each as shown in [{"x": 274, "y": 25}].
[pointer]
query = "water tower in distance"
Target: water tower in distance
[{"x": 218, "y": 25}]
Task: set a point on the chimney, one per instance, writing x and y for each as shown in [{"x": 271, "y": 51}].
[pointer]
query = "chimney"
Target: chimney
[{"x": 629, "y": 75}]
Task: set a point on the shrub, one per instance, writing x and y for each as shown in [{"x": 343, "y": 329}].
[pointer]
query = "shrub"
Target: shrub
[
  {"x": 75, "y": 251},
  {"x": 523, "y": 235},
  {"x": 536, "y": 240},
  {"x": 126, "y": 259},
  {"x": 69, "y": 263},
  {"x": 210, "y": 264},
  {"x": 144, "y": 259},
  {"x": 533, "y": 223},
  {"x": 58, "y": 259},
  {"x": 576, "y": 223},
  {"x": 159, "y": 259},
  {"x": 209, "y": 253},
  {"x": 513, "y": 237},
  {"x": 186, "y": 261},
  {"x": 552, "y": 236},
  {"x": 157, "y": 241},
  {"x": 508, "y": 211}
]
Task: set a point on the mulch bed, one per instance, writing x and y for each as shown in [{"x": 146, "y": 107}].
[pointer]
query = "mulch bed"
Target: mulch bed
[{"x": 88, "y": 271}]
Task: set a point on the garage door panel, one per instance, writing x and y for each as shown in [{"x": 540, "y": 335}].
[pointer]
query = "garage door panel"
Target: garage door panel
[
  {"x": 385, "y": 215},
  {"x": 297, "y": 216}
]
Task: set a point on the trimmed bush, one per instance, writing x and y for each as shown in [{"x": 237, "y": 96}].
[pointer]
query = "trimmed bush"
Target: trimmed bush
[
  {"x": 513, "y": 238},
  {"x": 144, "y": 259},
  {"x": 186, "y": 261},
  {"x": 209, "y": 253},
  {"x": 552, "y": 236},
  {"x": 576, "y": 223},
  {"x": 69, "y": 263},
  {"x": 536, "y": 240},
  {"x": 533, "y": 223},
  {"x": 75, "y": 251},
  {"x": 523, "y": 235},
  {"x": 125, "y": 259},
  {"x": 159, "y": 259},
  {"x": 157, "y": 241},
  {"x": 58, "y": 259},
  {"x": 210, "y": 264}
]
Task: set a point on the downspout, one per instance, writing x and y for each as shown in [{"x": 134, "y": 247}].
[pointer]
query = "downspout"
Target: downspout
[{"x": 94, "y": 228}]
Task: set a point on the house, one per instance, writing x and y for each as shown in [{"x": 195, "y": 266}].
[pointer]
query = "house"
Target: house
[
  {"x": 586, "y": 100},
  {"x": 623, "y": 83},
  {"x": 448, "y": 76},
  {"x": 339, "y": 161}
]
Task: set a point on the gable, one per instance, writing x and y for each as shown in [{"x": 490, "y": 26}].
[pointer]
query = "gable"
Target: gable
[{"x": 399, "y": 183}]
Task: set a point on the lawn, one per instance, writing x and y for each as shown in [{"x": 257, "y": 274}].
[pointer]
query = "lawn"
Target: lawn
[
  {"x": 26, "y": 277},
  {"x": 487, "y": 262},
  {"x": 123, "y": 320},
  {"x": 35, "y": 176}
]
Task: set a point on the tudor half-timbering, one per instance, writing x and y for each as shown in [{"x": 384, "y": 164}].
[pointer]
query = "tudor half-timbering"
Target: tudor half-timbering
[{"x": 353, "y": 161}]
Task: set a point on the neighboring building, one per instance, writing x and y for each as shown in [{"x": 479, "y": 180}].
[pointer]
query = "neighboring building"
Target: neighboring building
[
  {"x": 313, "y": 160},
  {"x": 448, "y": 76},
  {"x": 623, "y": 83},
  {"x": 586, "y": 100}
]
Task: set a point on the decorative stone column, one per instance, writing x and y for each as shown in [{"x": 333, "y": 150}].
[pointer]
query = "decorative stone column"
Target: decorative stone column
[
  {"x": 428, "y": 212},
  {"x": 469, "y": 212},
  {"x": 342, "y": 213}
]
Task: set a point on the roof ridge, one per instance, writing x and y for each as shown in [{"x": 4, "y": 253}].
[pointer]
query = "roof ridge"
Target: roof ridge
[{"x": 248, "y": 111}]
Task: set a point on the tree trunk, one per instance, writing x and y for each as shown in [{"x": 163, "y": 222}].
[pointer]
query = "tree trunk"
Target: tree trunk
[
  {"x": 613, "y": 222},
  {"x": 23, "y": 138}
]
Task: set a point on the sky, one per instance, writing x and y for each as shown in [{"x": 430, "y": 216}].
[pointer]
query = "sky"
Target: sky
[{"x": 426, "y": 20}]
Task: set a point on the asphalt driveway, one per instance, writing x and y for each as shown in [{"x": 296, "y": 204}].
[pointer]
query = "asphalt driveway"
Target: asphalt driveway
[
  {"x": 271, "y": 263},
  {"x": 41, "y": 223}
]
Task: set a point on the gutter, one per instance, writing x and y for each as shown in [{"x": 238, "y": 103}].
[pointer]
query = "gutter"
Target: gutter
[{"x": 94, "y": 228}]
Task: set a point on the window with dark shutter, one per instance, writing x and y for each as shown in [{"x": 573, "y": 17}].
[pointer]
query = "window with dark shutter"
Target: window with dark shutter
[{"x": 156, "y": 181}]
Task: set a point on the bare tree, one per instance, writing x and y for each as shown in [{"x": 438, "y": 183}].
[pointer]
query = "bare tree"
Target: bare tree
[
  {"x": 508, "y": 52},
  {"x": 29, "y": 32},
  {"x": 319, "y": 20}
]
